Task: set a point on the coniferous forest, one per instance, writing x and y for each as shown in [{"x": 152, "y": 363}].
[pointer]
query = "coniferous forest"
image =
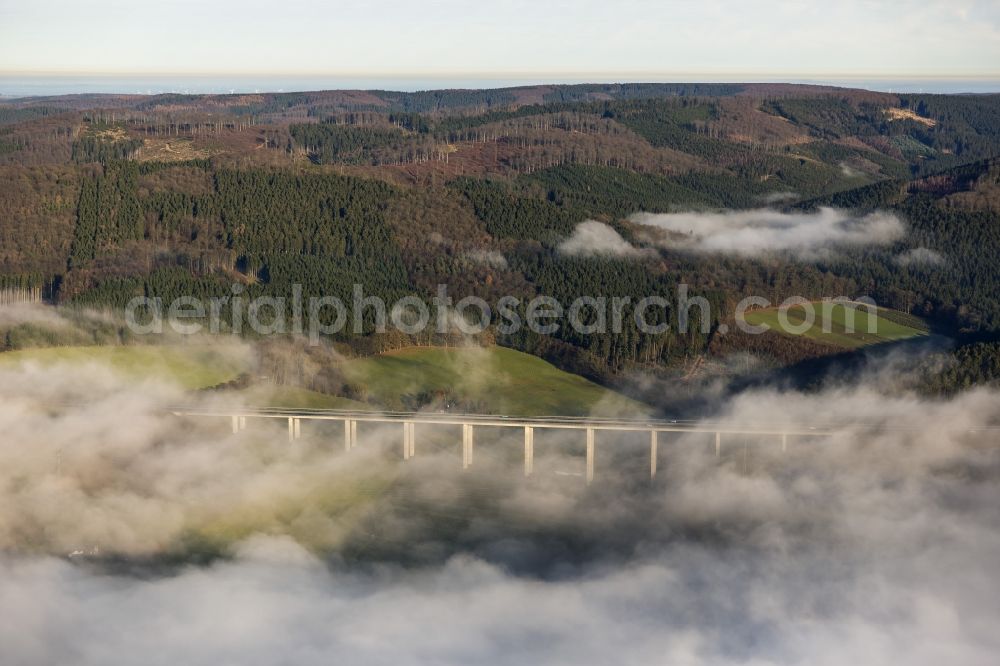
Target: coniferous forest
[{"x": 108, "y": 198}]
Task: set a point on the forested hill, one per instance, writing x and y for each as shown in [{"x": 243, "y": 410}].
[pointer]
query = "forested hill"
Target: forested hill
[
  {"x": 952, "y": 218},
  {"x": 107, "y": 197},
  {"x": 426, "y": 101}
]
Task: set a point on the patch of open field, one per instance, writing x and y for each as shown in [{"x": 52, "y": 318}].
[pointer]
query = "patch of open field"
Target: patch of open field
[
  {"x": 160, "y": 149},
  {"x": 491, "y": 380},
  {"x": 909, "y": 114},
  {"x": 498, "y": 380},
  {"x": 191, "y": 367},
  {"x": 842, "y": 325}
]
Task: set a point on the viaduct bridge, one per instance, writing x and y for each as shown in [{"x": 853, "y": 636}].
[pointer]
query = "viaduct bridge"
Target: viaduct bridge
[{"x": 589, "y": 427}]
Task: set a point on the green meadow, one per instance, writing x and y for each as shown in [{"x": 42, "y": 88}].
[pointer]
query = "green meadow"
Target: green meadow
[
  {"x": 836, "y": 326},
  {"x": 190, "y": 366},
  {"x": 502, "y": 380}
]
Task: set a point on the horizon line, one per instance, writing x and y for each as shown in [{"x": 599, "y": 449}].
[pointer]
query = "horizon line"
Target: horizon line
[{"x": 657, "y": 74}]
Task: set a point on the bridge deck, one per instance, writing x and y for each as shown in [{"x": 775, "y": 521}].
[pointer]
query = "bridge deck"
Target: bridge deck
[
  {"x": 557, "y": 422},
  {"x": 589, "y": 425}
]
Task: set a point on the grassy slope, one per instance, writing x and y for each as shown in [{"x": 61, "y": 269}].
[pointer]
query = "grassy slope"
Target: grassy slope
[
  {"x": 192, "y": 367},
  {"x": 892, "y": 326},
  {"x": 504, "y": 380},
  {"x": 294, "y": 396}
]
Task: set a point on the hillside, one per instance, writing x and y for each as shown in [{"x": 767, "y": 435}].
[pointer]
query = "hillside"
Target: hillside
[
  {"x": 491, "y": 380},
  {"x": 488, "y": 380},
  {"x": 111, "y": 197},
  {"x": 189, "y": 367}
]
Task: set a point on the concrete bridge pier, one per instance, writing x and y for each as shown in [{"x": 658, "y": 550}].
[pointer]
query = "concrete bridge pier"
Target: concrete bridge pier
[
  {"x": 350, "y": 434},
  {"x": 784, "y": 442},
  {"x": 529, "y": 450},
  {"x": 718, "y": 444},
  {"x": 467, "y": 434},
  {"x": 239, "y": 423},
  {"x": 294, "y": 428},
  {"x": 409, "y": 443},
  {"x": 652, "y": 453},
  {"x": 590, "y": 455}
]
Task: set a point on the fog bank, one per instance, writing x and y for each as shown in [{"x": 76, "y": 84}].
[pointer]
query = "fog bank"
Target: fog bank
[
  {"x": 874, "y": 546},
  {"x": 757, "y": 232},
  {"x": 592, "y": 238}
]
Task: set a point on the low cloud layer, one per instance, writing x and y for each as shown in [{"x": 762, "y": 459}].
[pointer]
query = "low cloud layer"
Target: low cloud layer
[
  {"x": 778, "y": 197},
  {"x": 850, "y": 172},
  {"x": 491, "y": 258},
  {"x": 762, "y": 231},
  {"x": 867, "y": 547},
  {"x": 922, "y": 257},
  {"x": 592, "y": 238}
]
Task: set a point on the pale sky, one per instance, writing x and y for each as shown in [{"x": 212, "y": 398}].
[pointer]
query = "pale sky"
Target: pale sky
[{"x": 445, "y": 37}]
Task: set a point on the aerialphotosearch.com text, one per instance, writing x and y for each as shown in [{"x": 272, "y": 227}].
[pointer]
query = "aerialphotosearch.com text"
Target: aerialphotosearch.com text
[{"x": 318, "y": 316}]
